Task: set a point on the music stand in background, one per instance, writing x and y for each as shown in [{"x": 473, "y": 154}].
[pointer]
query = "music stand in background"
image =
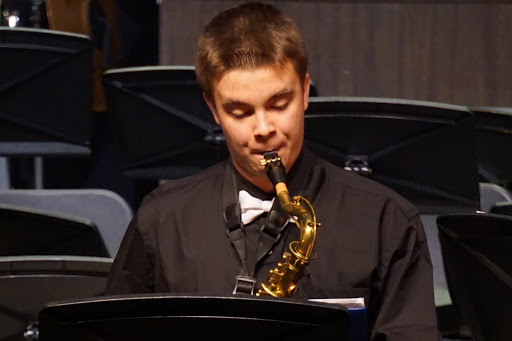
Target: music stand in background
[
  {"x": 45, "y": 94},
  {"x": 28, "y": 283},
  {"x": 478, "y": 263},
  {"x": 165, "y": 130},
  {"x": 424, "y": 151},
  {"x": 157, "y": 317},
  {"x": 27, "y": 231},
  {"x": 494, "y": 144},
  {"x": 503, "y": 208}
]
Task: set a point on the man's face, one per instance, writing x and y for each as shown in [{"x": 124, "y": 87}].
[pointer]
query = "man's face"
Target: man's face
[{"x": 260, "y": 110}]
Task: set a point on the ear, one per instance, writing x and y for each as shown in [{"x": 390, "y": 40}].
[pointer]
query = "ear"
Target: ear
[
  {"x": 307, "y": 84},
  {"x": 211, "y": 105}
]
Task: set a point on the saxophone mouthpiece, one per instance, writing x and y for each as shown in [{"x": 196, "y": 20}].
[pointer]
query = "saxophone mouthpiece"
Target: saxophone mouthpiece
[
  {"x": 269, "y": 157},
  {"x": 274, "y": 167}
]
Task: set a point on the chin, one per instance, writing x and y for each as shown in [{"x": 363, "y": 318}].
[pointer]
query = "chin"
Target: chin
[{"x": 254, "y": 169}]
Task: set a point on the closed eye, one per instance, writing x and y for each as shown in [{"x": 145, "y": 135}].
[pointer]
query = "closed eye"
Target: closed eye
[
  {"x": 239, "y": 113},
  {"x": 237, "y": 110},
  {"x": 280, "y": 106},
  {"x": 281, "y": 100}
]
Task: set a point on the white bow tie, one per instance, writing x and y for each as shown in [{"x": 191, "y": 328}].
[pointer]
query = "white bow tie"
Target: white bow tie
[{"x": 251, "y": 207}]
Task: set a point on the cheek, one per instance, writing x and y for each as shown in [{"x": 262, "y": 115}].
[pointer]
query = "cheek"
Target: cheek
[
  {"x": 293, "y": 124},
  {"x": 235, "y": 134}
]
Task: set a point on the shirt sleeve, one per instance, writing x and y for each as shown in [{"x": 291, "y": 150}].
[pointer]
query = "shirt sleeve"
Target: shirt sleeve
[
  {"x": 404, "y": 309},
  {"x": 133, "y": 267}
]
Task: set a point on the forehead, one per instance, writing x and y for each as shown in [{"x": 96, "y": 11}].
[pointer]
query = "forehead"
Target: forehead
[{"x": 267, "y": 79}]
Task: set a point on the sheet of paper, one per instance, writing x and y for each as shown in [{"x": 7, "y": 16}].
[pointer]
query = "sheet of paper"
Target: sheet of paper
[{"x": 357, "y": 302}]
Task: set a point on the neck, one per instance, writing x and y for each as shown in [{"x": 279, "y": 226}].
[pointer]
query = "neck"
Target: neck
[{"x": 262, "y": 182}]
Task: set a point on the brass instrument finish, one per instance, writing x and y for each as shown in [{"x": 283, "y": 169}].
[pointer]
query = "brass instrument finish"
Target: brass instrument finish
[{"x": 282, "y": 280}]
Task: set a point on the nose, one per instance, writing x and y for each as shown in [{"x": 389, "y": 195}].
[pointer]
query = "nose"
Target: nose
[{"x": 264, "y": 126}]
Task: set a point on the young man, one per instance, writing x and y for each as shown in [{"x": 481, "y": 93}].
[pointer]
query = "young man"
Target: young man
[{"x": 188, "y": 235}]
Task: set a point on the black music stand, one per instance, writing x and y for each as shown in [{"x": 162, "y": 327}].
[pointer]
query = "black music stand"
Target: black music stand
[
  {"x": 45, "y": 94},
  {"x": 157, "y": 317},
  {"x": 28, "y": 283},
  {"x": 503, "y": 208},
  {"x": 35, "y": 232},
  {"x": 493, "y": 144},
  {"x": 422, "y": 150},
  {"x": 165, "y": 130},
  {"x": 478, "y": 265}
]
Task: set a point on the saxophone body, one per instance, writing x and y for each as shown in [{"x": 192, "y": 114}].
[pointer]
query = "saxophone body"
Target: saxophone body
[{"x": 282, "y": 280}]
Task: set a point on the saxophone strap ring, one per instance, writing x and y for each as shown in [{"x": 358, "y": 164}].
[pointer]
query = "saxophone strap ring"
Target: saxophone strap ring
[{"x": 244, "y": 285}]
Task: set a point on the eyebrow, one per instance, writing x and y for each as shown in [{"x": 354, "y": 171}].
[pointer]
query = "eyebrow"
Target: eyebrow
[
  {"x": 231, "y": 105},
  {"x": 285, "y": 93},
  {"x": 234, "y": 103}
]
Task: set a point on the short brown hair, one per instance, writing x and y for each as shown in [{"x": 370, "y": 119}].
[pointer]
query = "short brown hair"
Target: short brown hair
[{"x": 247, "y": 36}]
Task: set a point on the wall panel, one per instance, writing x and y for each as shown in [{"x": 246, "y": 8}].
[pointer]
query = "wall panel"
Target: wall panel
[{"x": 452, "y": 51}]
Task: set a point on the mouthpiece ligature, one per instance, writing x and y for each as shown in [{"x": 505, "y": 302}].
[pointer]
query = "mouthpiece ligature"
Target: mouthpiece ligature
[{"x": 274, "y": 167}]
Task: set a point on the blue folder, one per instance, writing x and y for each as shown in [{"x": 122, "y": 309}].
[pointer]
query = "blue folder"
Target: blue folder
[{"x": 357, "y": 330}]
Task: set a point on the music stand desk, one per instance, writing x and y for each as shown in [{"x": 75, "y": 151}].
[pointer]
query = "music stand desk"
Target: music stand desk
[
  {"x": 28, "y": 283},
  {"x": 165, "y": 129},
  {"x": 422, "y": 150},
  {"x": 493, "y": 144},
  {"x": 45, "y": 94},
  {"x": 478, "y": 263},
  {"x": 158, "y": 316}
]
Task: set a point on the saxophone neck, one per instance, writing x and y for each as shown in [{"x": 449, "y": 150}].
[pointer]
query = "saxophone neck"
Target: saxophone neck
[{"x": 299, "y": 208}]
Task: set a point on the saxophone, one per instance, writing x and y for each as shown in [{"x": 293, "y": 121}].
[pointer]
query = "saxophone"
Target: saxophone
[{"x": 282, "y": 280}]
